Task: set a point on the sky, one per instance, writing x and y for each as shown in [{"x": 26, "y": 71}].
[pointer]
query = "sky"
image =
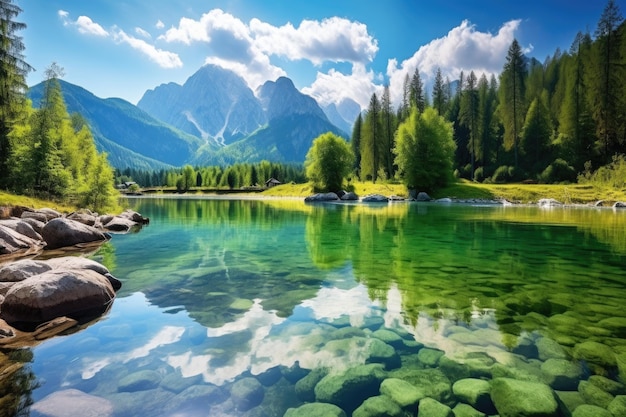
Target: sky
[{"x": 331, "y": 49}]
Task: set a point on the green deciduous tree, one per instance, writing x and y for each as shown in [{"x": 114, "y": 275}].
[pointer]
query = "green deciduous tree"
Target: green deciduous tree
[
  {"x": 425, "y": 150},
  {"x": 328, "y": 162}
]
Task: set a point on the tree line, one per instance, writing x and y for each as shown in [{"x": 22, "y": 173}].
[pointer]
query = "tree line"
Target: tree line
[{"x": 543, "y": 122}]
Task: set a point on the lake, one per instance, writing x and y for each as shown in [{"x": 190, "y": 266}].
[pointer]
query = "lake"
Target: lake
[{"x": 252, "y": 307}]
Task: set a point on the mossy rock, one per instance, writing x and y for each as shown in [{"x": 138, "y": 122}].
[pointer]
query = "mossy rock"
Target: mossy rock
[
  {"x": 241, "y": 304},
  {"x": 380, "y": 352},
  {"x": 587, "y": 410},
  {"x": 316, "y": 410},
  {"x": 475, "y": 392},
  {"x": 562, "y": 374},
  {"x": 139, "y": 381},
  {"x": 549, "y": 349},
  {"x": 429, "y": 357},
  {"x": 305, "y": 387},
  {"x": 620, "y": 359},
  {"x": 389, "y": 337},
  {"x": 403, "y": 393},
  {"x": 246, "y": 393},
  {"x": 594, "y": 395},
  {"x": 570, "y": 400},
  {"x": 453, "y": 369},
  {"x": 608, "y": 385},
  {"x": 617, "y": 407},
  {"x": 378, "y": 406},
  {"x": 523, "y": 398},
  {"x": 433, "y": 408},
  {"x": 432, "y": 382},
  {"x": 596, "y": 353},
  {"x": 617, "y": 326},
  {"x": 196, "y": 396},
  {"x": 466, "y": 410},
  {"x": 175, "y": 382}
]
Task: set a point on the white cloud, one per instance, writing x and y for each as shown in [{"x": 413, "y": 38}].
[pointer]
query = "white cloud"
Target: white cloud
[
  {"x": 143, "y": 33},
  {"x": 159, "y": 24},
  {"x": 334, "y": 39},
  {"x": 164, "y": 59},
  {"x": 84, "y": 24},
  {"x": 333, "y": 86},
  {"x": 462, "y": 49}
]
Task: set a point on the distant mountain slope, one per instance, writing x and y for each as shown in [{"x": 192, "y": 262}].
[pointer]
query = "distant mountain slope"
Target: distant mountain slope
[
  {"x": 214, "y": 104},
  {"x": 131, "y": 137}
]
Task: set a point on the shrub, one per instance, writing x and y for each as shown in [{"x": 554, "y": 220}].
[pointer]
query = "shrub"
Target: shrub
[
  {"x": 558, "y": 171},
  {"x": 478, "y": 174},
  {"x": 502, "y": 174}
]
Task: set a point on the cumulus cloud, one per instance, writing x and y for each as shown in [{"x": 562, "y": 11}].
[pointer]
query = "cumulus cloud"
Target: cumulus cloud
[
  {"x": 463, "y": 49},
  {"x": 164, "y": 59},
  {"x": 84, "y": 24},
  {"x": 159, "y": 24},
  {"x": 143, "y": 33},
  {"x": 334, "y": 86}
]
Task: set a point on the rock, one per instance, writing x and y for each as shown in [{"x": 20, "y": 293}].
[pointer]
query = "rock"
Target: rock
[
  {"x": 305, "y": 387},
  {"x": 620, "y": 359},
  {"x": 72, "y": 402},
  {"x": 22, "y": 269},
  {"x": 294, "y": 373},
  {"x": 322, "y": 197},
  {"x": 270, "y": 377},
  {"x": 22, "y": 227},
  {"x": 562, "y": 374},
  {"x": 77, "y": 263},
  {"x": 617, "y": 407},
  {"x": 350, "y": 196},
  {"x": 135, "y": 217},
  {"x": 548, "y": 202},
  {"x": 61, "y": 232},
  {"x": 403, "y": 393},
  {"x": 194, "y": 398},
  {"x": 378, "y": 406},
  {"x": 119, "y": 224},
  {"x": 596, "y": 353},
  {"x": 175, "y": 382},
  {"x": 139, "y": 381},
  {"x": 433, "y": 408},
  {"x": 12, "y": 241},
  {"x": 432, "y": 382},
  {"x": 475, "y": 392},
  {"x": 587, "y": 410},
  {"x": 34, "y": 215},
  {"x": 57, "y": 293},
  {"x": 608, "y": 385},
  {"x": 246, "y": 393},
  {"x": 49, "y": 213},
  {"x": 429, "y": 357},
  {"x": 594, "y": 395},
  {"x": 84, "y": 218},
  {"x": 523, "y": 398},
  {"x": 374, "y": 198},
  {"x": 619, "y": 204},
  {"x": 316, "y": 410},
  {"x": 389, "y": 337},
  {"x": 35, "y": 224},
  {"x": 549, "y": 349},
  {"x": 617, "y": 326},
  {"x": 350, "y": 388},
  {"x": 466, "y": 410},
  {"x": 422, "y": 196},
  {"x": 570, "y": 400},
  {"x": 380, "y": 352}
]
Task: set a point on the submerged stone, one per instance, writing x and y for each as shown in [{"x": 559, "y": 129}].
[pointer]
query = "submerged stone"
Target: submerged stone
[
  {"x": 432, "y": 382},
  {"x": 350, "y": 388},
  {"x": 316, "y": 410},
  {"x": 617, "y": 407},
  {"x": 594, "y": 395},
  {"x": 72, "y": 402},
  {"x": 305, "y": 387},
  {"x": 429, "y": 357},
  {"x": 389, "y": 337},
  {"x": 246, "y": 393},
  {"x": 433, "y": 408},
  {"x": 475, "y": 392},
  {"x": 378, "y": 406},
  {"x": 514, "y": 398},
  {"x": 596, "y": 353},
  {"x": 466, "y": 410},
  {"x": 549, "y": 349},
  {"x": 608, "y": 385},
  {"x": 562, "y": 374},
  {"x": 403, "y": 393},
  {"x": 587, "y": 410},
  {"x": 139, "y": 381},
  {"x": 570, "y": 399}
]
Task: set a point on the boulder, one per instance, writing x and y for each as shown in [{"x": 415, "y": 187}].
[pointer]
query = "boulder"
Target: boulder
[
  {"x": 12, "y": 241},
  {"x": 475, "y": 392},
  {"x": 119, "y": 224},
  {"x": 466, "y": 410},
  {"x": 22, "y": 269},
  {"x": 374, "y": 198},
  {"x": 432, "y": 382},
  {"x": 72, "y": 402},
  {"x": 548, "y": 202},
  {"x": 433, "y": 408},
  {"x": 322, "y": 197},
  {"x": 378, "y": 406},
  {"x": 84, "y": 218},
  {"x": 316, "y": 410},
  {"x": 619, "y": 204},
  {"x": 429, "y": 357},
  {"x": 22, "y": 227},
  {"x": 139, "y": 381},
  {"x": 513, "y": 398},
  {"x": 76, "y": 263},
  {"x": 34, "y": 215},
  {"x": 380, "y": 352},
  {"x": 596, "y": 353},
  {"x": 594, "y": 395},
  {"x": 247, "y": 393},
  {"x": 194, "y": 398},
  {"x": 57, "y": 293},
  {"x": 49, "y": 213},
  {"x": 422, "y": 196},
  {"x": 35, "y": 224},
  {"x": 61, "y": 232},
  {"x": 617, "y": 407},
  {"x": 562, "y": 374},
  {"x": 403, "y": 393},
  {"x": 134, "y": 216},
  {"x": 587, "y": 410},
  {"x": 620, "y": 359},
  {"x": 305, "y": 387},
  {"x": 608, "y": 385},
  {"x": 350, "y": 196},
  {"x": 350, "y": 388}
]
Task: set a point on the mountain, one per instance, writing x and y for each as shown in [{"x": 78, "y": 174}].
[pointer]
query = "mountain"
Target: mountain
[
  {"x": 214, "y": 104},
  {"x": 130, "y": 136}
]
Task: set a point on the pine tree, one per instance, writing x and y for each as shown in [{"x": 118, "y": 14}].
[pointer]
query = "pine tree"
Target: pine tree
[
  {"x": 416, "y": 92},
  {"x": 439, "y": 93},
  {"x": 370, "y": 141},
  {"x": 512, "y": 97},
  {"x": 536, "y": 138},
  {"x": 469, "y": 114},
  {"x": 355, "y": 144},
  {"x": 388, "y": 128},
  {"x": 13, "y": 71}
]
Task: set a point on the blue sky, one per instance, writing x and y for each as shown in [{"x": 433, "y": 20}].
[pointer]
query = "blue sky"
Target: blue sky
[{"x": 330, "y": 49}]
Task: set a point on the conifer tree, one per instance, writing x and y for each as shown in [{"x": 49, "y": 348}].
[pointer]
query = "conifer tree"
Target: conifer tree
[
  {"x": 370, "y": 141},
  {"x": 355, "y": 144},
  {"x": 388, "y": 129},
  {"x": 469, "y": 114},
  {"x": 416, "y": 94},
  {"x": 439, "y": 93}
]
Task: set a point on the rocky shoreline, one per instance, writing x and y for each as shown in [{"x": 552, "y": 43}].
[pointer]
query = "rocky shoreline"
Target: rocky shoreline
[{"x": 42, "y": 298}]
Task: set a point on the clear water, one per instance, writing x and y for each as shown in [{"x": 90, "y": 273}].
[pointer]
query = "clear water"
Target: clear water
[{"x": 227, "y": 304}]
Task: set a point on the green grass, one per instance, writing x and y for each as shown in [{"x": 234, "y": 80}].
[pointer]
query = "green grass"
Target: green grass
[{"x": 8, "y": 199}]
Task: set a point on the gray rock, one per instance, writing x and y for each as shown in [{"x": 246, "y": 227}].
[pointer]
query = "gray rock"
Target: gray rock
[
  {"x": 548, "y": 202},
  {"x": 22, "y": 227},
  {"x": 194, "y": 398},
  {"x": 72, "y": 402},
  {"x": 315, "y": 410},
  {"x": 247, "y": 393},
  {"x": 22, "y": 269},
  {"x": 378, "y": 406},
  {"x": 523, "y": 398},
  {"x": 49, "y": 213},
  {"x": 139, "y": 381},
  {"x": 619, "y": 204},
  {"x": 433, "y": 408},
  {"x": 562, "y": 374},
  {"x": 61, "y": 232},
  {"x": 422, "y": 196},
  {"x": 350, "y": 196},
  {"x": 84, "y": 218},
  {"x": 134, "y": 216},
  {"x": 374, "y": 198},
  {"x": 35, "y": 224},
  {"x": 119, "y": 224},
  {"x": 34, "y": 215},
  {"x": 12, "y": 241},
  {"x": 322, "y": 197}
]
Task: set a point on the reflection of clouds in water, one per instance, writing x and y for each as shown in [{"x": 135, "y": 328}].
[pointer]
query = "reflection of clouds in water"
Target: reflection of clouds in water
[
  {"x": 332, "y": 303},
  {"x": 166, "y": 336},
  {"x": 256, "y": 320}
]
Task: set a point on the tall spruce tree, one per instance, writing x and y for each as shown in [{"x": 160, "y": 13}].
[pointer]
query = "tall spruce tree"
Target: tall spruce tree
[
  {"x": 355, "y": 144},
  {"x": 13, "y": 71},
  {"x": 388, "y": 129},
  {"x": 469, "y": 115},
  {"x": 370, "y": 141},
  {"x": 512, "y": 97},
  {"x": 416, "y": 94},
  {"x": 439, "y": 93}
]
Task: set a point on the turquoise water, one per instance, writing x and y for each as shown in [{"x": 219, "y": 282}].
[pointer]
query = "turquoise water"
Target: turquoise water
[{"x": 239, "y": 307}]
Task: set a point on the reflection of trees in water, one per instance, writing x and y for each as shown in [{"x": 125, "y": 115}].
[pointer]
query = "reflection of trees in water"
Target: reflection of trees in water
[{"x": 17, "y": 381}]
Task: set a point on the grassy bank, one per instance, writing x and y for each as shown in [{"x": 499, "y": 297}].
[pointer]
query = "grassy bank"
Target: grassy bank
[
  {"x": 7, "y": 199},
  {"x": 518, "y": 193}
]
